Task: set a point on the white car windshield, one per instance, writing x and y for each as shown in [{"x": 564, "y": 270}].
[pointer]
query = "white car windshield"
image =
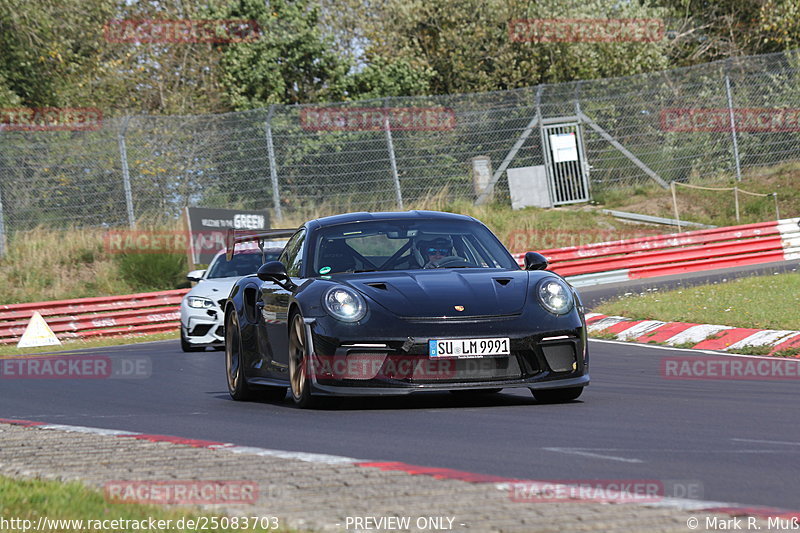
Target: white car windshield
[{"x": 240, "y": 265}]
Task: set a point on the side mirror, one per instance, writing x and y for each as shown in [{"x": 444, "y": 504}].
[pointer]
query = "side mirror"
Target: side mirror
[
  {"x": 272, "y": 271},
  {"x": 195, "y": 275},
  {"x": 535, "y": 261}
]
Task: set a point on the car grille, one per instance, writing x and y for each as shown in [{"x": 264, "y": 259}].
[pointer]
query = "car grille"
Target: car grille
[{"x": 200, "y": 330}]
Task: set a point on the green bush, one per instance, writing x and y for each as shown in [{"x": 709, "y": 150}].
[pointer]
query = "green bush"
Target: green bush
[{"x": 153, "y": 272}]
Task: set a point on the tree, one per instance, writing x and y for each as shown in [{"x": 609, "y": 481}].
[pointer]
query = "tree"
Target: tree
[
  {"x": 468, "y": 46},
  {"x": 291, "y": 63}
]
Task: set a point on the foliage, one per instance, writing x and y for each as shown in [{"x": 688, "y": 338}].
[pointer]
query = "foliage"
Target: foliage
[
  {"x": 291, "y": 63},
  {"x": 152, "y": 272}
]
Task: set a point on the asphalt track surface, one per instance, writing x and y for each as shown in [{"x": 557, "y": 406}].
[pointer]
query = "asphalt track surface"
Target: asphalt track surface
[{"x": 737, "y": 440}]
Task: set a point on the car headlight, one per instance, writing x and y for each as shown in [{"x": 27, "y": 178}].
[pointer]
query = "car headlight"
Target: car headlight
[
  {"x": 555, "y": 296},
  {"x": 200, "y": 303},
  {"x": 344, "y": 304}
]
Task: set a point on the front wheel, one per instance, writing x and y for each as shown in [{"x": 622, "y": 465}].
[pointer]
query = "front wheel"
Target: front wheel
[
  {"x": 557, "y": 395},
  {"x": 299, "y": 363}
]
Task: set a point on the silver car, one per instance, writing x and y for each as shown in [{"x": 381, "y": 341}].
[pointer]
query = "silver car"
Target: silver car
[{"x": 201, "y": 307}]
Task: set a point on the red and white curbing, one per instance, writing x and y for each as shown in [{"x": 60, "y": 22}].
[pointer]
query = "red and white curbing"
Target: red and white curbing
[
  {"x": 501, "y": 483},
  {"x": 698, "y": 336}
]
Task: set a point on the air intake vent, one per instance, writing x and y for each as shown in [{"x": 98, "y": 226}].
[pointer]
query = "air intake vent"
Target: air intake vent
[{"x": 378, "y": 285}]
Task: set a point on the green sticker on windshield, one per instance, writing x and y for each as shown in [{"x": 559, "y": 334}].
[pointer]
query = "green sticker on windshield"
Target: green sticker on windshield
[{"x": 324, "y": 270}]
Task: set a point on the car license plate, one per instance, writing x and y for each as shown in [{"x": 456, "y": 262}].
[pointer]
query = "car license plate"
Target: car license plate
[{"x": 468, "y": 347}]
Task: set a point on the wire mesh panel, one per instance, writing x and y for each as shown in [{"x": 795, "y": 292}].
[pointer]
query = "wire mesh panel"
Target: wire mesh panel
[{"x": 704, "y": 123}]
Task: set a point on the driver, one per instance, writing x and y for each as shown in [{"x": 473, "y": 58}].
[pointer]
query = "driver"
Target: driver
[{"x": 433, "y": 250}]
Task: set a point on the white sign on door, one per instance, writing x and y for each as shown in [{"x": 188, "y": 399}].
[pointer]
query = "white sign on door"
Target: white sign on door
[{"x": 564, "y": 147}]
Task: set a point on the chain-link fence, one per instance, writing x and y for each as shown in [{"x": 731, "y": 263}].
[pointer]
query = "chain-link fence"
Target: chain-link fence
[{"x": 700, "y": 123}]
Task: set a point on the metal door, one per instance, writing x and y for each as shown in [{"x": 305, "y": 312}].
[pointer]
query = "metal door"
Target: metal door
[{"x": 565, "y": 160}]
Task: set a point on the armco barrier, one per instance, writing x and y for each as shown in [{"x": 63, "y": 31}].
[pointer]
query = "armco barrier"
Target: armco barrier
[
  {"x": 676, "y": 253},
  {"x": 606, "y": 262},
  {"x": 148, "y": 312}
]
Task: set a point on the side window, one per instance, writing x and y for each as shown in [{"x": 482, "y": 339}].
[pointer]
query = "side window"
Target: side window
[{"x": 292, "y": 255}]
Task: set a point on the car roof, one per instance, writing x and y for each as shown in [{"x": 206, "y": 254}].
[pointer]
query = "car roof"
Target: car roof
[{"x": 387, "y": 215}]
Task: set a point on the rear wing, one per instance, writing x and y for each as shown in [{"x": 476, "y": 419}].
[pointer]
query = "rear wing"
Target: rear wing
[{"x": 233, "y": 237}]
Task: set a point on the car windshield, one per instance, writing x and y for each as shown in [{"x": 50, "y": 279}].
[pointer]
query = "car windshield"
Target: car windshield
[
  {"x": 406, "y": 245},
  {"x": 240, "y": 265}
]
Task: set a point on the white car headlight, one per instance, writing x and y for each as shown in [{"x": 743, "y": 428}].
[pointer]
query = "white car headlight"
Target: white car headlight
[
  {"x": 555, "y": 296},
  {"x": 344, "y": 304},
  {"x": 200, "y": 303}
]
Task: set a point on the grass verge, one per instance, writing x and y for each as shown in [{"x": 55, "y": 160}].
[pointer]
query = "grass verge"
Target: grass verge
[
  {"x": 80, "y": 344},
  {"x": 31, "y": 499},
  {"x": 49, "y": 264},
  {"x": 762, "y": 302}
]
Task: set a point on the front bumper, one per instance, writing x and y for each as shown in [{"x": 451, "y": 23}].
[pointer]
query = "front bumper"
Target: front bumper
[
  {"x": 202, "y": 327},
  {"x": 397, "y": 366}
]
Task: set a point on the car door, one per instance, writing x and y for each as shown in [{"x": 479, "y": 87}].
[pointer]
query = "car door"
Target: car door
[{"x": 274, "y": 310}]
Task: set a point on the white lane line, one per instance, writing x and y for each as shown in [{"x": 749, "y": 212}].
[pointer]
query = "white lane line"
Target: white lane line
[
  {"x": 572, "y": 451},
  {"x": 83, "y": 429},
  {"x": 769, "y": 442},
  {"x": 300, "y": 456}
]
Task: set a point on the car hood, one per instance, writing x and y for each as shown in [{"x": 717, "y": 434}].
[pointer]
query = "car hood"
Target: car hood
[
  {"x": 438, "y": 292},
  {"x": 216, "y": 289}
]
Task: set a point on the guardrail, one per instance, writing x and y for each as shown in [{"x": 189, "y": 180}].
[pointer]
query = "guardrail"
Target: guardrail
[
  {"x": 606, "y": 262},
  {"x": 676, "y": 253},
  {"x": 148, "y": 312}
]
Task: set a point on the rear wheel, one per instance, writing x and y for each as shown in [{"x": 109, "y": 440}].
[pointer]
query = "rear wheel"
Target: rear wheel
[
  {"x": 234, "y": 368},
  {"x": 557, "y": 395},
  {"x": 298, "y": 363}
]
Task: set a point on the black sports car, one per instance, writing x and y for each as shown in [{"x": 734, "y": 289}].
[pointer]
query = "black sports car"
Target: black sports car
[{"x": 395, "y": 303}]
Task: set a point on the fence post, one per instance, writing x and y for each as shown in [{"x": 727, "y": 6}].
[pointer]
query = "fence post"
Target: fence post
[
  {"x": 733, "y": 128},
  {"x": 736, "y": 201},
  {"x": 398, "y": 194},
  {"x": 675, "y": 204},
  {"x": 2, "y": 226},
  {"x": 273, "y": 169},
  {"x": 126, "y": 177}
]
